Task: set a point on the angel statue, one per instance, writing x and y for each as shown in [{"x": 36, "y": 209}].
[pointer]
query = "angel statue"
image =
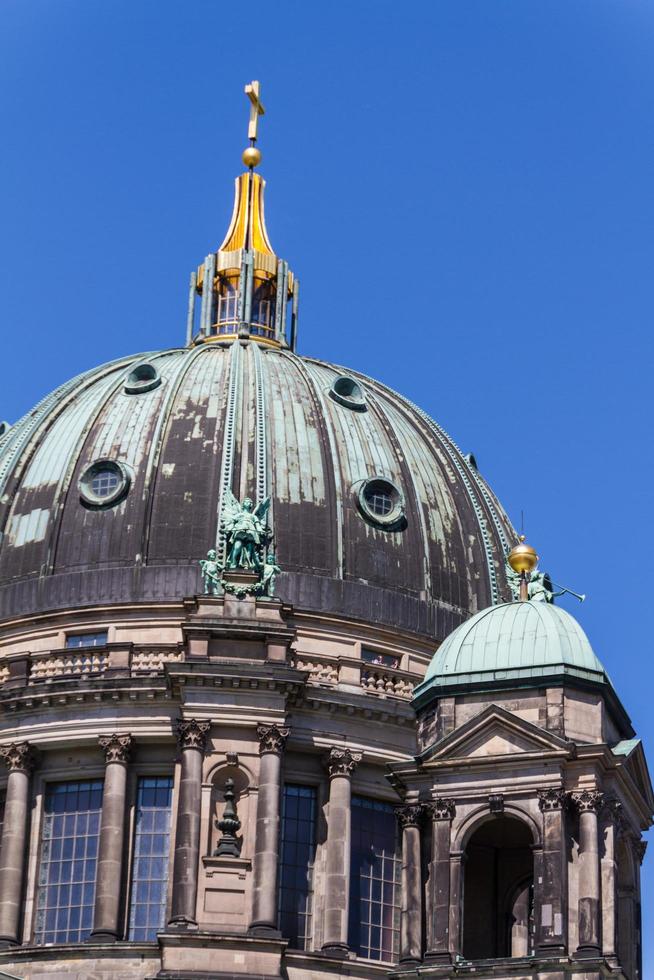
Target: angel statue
[
  {"x": 211, "y": 569},
  {"x": 539, "y": 585},
  {"x": 246, "y": 532},
  {"x": 270, "y": 572}
]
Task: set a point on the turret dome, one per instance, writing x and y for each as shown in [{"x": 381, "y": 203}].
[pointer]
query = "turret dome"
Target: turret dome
[{"x": 512, "y": 643}]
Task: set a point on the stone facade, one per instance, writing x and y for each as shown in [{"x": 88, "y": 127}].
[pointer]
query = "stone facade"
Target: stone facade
[{"x": 236, "y": 701}]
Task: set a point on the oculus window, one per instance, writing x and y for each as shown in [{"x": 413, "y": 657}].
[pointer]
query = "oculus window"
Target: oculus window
[
  {"x": 348, "y": 392},
  {"x": 380, "y": 503},
  {"x": 144, "y": 377},
  {"x": 104, "y": 483}
]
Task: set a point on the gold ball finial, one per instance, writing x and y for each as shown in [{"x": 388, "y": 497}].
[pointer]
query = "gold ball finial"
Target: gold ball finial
[
  {"x": 251, "y": 156},
  {"x": 523, "y": 557}
]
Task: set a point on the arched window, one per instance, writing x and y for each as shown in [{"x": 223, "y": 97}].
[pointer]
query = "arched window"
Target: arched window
[{"x": 498, "y": 891}]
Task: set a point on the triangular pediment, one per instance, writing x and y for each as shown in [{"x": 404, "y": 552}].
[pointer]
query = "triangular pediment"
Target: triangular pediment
[
  {"x": 495, "y": 732},
  {"x": 636, "y": 765}
]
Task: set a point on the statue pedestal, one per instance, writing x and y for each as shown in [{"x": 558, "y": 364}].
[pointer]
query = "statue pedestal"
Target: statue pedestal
[{"x": 240, "y": 577}]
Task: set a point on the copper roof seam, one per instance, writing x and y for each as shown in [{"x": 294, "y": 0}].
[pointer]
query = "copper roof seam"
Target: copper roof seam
[
  {"x": 456, "y": 456},
  {"x": 175, "y": 382},
  {"x": 328, "y": 440},
  {"x": 63, "y": 489},
  {"x": 227, "y": 461},
  {"x": 52, "y": 405}
]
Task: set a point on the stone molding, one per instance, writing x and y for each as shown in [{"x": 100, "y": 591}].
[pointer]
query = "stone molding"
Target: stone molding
[
  {"x": 18, "y": 757},
  {"x": 192, "y": 734},
  {"x": 409, "y": 815},
  {"x": 553, "y": 798},
  {"x": 272, "y": 738},
  {"x": 441, "y": 809},
  {"x": 342, "y": 762},
  {"x": 588, "y": 801},
  {"x": 116, "y": 748}
]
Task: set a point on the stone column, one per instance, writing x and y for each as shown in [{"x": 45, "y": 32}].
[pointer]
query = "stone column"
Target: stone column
[
  {"x": 192, "y": 739},
  {"x": 272, "y": 740},
  {"x": 340, "y": 764},
  {"x": 438, "y": 908},
  {"x": 19, "y": 759},
  {"x": 109, "y": 878},
  {"x": 409, "y": 818},
  {"x": 588, "y": 802},
  {"x": 457, "y": 866},
  {"x": 612, "y": 821},
  {"x": 551, "y": 883}
]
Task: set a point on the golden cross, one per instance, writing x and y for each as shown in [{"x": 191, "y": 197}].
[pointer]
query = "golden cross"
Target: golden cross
[{"x": 256, "y": 109}]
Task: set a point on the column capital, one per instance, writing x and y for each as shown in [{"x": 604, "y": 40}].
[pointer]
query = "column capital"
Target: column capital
[
  {"x": 18, "y": 757},
  {"x": 272, "y": 738},
  {"x": 409, "y": 815},
  {"x": 640, "y": 846},
  {"x": 587, "y": 800},
  {"x": 192, "y": 734},
  {"x": 440, "y": 809},
  {"x": 341, "y": 762},
  {"x": 552, "y": 798},
  {"x": 116, "y": 748}
]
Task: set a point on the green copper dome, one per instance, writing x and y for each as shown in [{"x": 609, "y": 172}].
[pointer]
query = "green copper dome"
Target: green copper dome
[{"x": 517, "y": 642}]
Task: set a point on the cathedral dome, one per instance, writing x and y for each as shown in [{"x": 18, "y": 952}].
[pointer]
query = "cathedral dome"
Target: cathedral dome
[
  {"x": 111, "y": 489},
  {"x": 512, "y": 643}
]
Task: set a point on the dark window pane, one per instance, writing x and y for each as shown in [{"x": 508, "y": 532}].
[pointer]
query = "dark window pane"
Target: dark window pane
[
  {"x": 147, "y": 908},
  {"x": 297, "y": 852},
  {"x": 374, "y": 877},
  {"x": 66, "y": 892}
]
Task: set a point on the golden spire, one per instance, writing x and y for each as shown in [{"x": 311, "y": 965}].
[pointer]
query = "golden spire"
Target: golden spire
[
  {"x": 246, "y": 289},
  {"x": 251, "y": 155}
]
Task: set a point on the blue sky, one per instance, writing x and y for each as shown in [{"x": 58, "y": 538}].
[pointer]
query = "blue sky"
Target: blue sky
[{"x": 464, "y": 188}]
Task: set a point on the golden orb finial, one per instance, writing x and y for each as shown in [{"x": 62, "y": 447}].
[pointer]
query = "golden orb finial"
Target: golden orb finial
[
  {"x": 523, "y": 557},
  {"x": 251, "y": 156}
]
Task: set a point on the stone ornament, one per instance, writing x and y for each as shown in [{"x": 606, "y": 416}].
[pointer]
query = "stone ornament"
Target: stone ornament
[
  {"x": 410, "y": 815},
  {"x": 116, "y": 748},
  {"x": 342, "y": 762},
  {"x": 192, "y": 734},
  {"x": 18, "y": 757},
  {"x": 640, "y": 846},
  {"x": 588, "y": 801},
  {"x": 228, "y": 825},
  {"x": 272, "y": 738},
  {"x": 496, "y": 803},
  {"x": 554, "y": 798},
  {"x": 441, "y": 809}
]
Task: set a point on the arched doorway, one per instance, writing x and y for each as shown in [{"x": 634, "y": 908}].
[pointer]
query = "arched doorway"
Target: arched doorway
[{"x": 498, "y": 890}]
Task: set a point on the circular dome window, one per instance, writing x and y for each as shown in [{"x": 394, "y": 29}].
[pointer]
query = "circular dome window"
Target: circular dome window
[
  {"x": 144, "y": 377},
  {"x": 104, "y": 483},
  {"x": 4, "y": 428},
  {"x": 346, "y": 391},
  {"x": 381, "y": 503}
]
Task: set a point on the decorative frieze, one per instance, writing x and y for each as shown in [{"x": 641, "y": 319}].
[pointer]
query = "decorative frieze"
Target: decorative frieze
[
  {"x": 116, "y": 748},
  {"x": 341, "y": 762},
  {"x": 18, "y": 757},
  {"x": 440, "y": 809},
  {"x": 409, "y": 815},
  {"x": 588, "y": 801},
  {"x": 272, "y": 738},
  {"x": 553, "y": 798},
  {"x": 192, "y": 734}
]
